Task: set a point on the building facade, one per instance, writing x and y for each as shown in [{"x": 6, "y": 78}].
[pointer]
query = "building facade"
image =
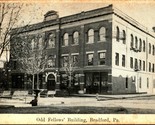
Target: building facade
[{"x": 111, "y": 52}]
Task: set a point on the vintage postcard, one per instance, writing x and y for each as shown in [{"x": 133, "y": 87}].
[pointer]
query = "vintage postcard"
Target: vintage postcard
[{"x": 77, "y": 62}]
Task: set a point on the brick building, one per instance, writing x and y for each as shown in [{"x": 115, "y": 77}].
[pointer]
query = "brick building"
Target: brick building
[{"x": 112, "y": 51}]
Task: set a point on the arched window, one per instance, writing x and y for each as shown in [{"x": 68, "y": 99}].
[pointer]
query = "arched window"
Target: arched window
[
  {"x": 143, "y": 45},
  {"x": 40, "y": 42},
  {"x": 102, "y": 34},
  {"x": 75, "y": 38},
  {"x": 136, "y": 43},
  {"x": 149, "y": 48},
  {"x": 91, "y": 36},
  {"x": 117, "y": 33},
  {"x": 153, "y": 50},
  {"x": 124, "y": 37},
  {"x": 132, "y": 40},
  {"x": 51, "y": 40},
  {"x": 32, "y": 43},
  {"x": 65, "y": 39},
  {"x": 140, "y": 44}
]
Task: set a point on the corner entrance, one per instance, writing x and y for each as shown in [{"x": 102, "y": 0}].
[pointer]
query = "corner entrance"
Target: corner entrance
[{"x": 51, "y": 82}]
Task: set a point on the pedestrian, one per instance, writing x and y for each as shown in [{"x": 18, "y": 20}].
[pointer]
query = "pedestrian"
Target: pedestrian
[{"x": 34, "y": 102}]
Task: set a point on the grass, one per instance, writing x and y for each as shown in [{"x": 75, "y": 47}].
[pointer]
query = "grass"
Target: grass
[{"x": 74, "y": 110}]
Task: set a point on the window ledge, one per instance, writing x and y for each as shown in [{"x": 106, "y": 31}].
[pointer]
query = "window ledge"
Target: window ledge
[{"x": 90, "y": 43}]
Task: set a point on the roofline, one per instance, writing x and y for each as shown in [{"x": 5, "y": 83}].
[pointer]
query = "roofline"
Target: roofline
[{"x": 84, "y": 15}]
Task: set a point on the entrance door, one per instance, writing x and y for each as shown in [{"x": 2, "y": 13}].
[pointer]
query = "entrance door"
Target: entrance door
[{"x": 51, "y": 82}]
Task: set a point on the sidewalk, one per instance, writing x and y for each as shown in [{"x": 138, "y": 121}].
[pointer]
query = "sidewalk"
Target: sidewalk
[{"x": 85, "y": 100}]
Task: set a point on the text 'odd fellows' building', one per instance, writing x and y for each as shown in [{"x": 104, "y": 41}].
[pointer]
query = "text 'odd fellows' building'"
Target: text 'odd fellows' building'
[{"x": 98, "y": 51}]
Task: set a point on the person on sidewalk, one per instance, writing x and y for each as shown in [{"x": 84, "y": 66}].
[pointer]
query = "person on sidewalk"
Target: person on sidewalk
[{"x": 34, "y": 102}]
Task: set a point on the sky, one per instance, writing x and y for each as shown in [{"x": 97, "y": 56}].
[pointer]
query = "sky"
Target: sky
[{"x": 32, "y": 12}]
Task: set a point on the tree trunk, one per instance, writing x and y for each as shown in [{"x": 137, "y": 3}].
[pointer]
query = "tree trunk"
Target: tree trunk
[
  {"x": 37, "y": 81},
  {"x": 32, "y": 83}
]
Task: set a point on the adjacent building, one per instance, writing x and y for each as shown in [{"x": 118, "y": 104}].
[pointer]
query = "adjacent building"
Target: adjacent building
[{"x": 112, "y": 53}]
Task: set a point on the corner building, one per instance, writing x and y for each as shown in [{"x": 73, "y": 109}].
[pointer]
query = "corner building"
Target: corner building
[{"x": 114, "y": 53}]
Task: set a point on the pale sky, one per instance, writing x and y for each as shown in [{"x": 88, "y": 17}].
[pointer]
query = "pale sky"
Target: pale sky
[{"x": 142, "y": 11}]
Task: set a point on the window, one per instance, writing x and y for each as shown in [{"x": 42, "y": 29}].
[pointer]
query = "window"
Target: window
[
  {"x": 149, "y": 48},
  {"x": 51, "y": 41},
  {"x": 152, "y": 67},
  {"x": 143, "y": 65},
  {"x": 143, "y": 46},
  {"x": 51, "y": 61},
  {"x": 65, "y": 39},
  {"x": 132, "y": 40},
  {"x": 153, "y": 50},
  {"x": 40, "y": 43},
  {"x": 32, "y": 44},
  {"x": 91, "y": 36},
  {"x": 117, "y": 59},
  {"x": 117, "y": 34},
  {"x": 75, "y": 60},
  {"x": 75, "y": 38},
  {"x": 90, "y": 59},
  {"x": 136, "y": 43},
  {"x": 124, "y": 37},
  {"x": 147, "y": 82},
  {"x": 65, "y": 60},
  {"x": 123, "y": 60},
  {"x": 126, "y": 82},
  {"x": 102, "y": 34},
  {"x": 140, "y": 64},
  {"x": 140, "y": 82},
  {"x": 101, "y": 56},
  {"x": 149, "y": 67},
  {"x": 131, "y": 62},
  {"x": 136, "y": 64},
  {"x": 140, "y": 45}
]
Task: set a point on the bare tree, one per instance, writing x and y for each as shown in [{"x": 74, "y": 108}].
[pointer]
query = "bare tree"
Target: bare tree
[
  {"x": 9, "y": 14},
  {"x": 30, "y": 56},
  {"x": 69, "y": 66}
]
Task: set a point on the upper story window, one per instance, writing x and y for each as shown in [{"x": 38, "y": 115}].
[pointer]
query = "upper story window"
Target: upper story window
[
  {"x": 102, "y": 34},
  {"x": 75, "y": 38},
  {"x": 140, "y": 44},
  {"x": 117, "y": 59},
  {"x": 153, "y": 50},
  {"x": 33, "y": 44},
  {"x": 51, "y": 61},
  {"x": 136, "y": 64},
  {"x": 51, "y": 41},
  {"x": 40, "y": 43},
  {"x": 124, "y": 37},
  {"x": 149, "y": 67},
  {"x": 131, "y": 62},
  {"x": 102, "y": 58},
  {"x": 91, "y": 36},
  {"x": 132, "y": 41},
  {"x": 149, "y": 48},
  {"x": 90, "y": 57},
  {"x": 75, "y": 60},
  {"x": 65, "y": 60},
  {"x": 117, "y": 34},
  {"x": 153, "y": 67},
  {"x": 136, "y": 43},
  {"x": 143, "y": 45},
  {"x": 140, "y": 64},
  {"x": 65, "y": 39},
  {"x": 123, "y": 60},
  {"x": 143, "y": 65}
]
